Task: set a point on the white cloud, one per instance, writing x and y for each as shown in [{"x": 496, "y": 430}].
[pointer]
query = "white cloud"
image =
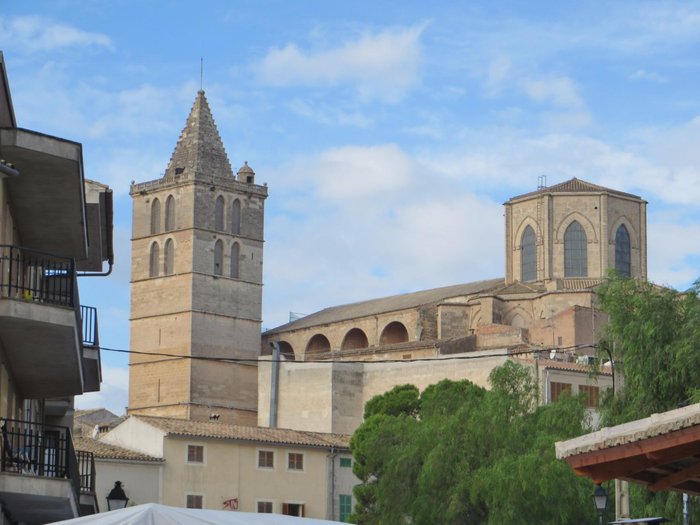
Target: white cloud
[
  {"x": 329, "y": 116},
  {"x": 38, "y": 34},
  {"x": 642, "y": 74},
  {"x": 113, "y": 394},
  {"x": 556, "y": 90},
  {"x": 384, "y": 65}
]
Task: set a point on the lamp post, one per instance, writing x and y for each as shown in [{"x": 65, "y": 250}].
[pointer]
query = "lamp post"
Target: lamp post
[
  {"x": 116, "y": 499},
  {"x": 600, "y": 499}
]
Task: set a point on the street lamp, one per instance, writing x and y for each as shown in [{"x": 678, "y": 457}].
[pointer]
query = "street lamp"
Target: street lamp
[
  {"x": 116, "y": 499},
  {"x": 600, "y": 499}
]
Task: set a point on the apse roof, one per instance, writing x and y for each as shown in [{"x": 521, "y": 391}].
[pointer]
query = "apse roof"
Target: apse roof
[{"x": 574, "y": 186}]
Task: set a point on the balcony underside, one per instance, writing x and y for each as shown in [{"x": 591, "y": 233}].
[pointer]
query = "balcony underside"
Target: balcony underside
[
  {"x": 42, "y": 345},
  {"x": 92, "y": 373},
  {"x": 36, "y": 500}
]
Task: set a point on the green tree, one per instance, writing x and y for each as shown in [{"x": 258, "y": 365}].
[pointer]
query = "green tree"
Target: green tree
[
  {"x": 461, "y": 454},
  {"x": 653, "y": 334}
]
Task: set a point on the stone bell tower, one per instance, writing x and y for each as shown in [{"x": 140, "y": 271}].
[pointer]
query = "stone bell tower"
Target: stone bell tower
[{"x": 196, "y": 282}]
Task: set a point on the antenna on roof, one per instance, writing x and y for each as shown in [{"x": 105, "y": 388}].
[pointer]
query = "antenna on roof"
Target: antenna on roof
[
  {"x": 201, "y": 73},
  {"x": 541, "y": 182}
]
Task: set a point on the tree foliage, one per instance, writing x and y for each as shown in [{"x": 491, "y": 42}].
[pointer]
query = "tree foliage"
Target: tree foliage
[
  {"x": 458, "y": 454},
  {"x": 653, "y": 335}
]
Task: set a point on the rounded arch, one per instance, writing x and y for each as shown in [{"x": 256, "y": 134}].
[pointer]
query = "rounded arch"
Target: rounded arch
[
  {"x": 236, "y": 217},
  {"x": 287, "y": 351},
  {"x": 235, "y": 260},
  {"x": 585, "y": 223},
  {"x": 354, "y": 339},
  {"x": 154, "y": 260},
  {"x": 169, "y": 259},
  {"x": 155, "y": 216},
  {"x": 394, "y": 332},
  {"x": 219, "y": 214},
  {"x": 318, "y": 344},
  {"x": 170, "y": 213},
  {"x": 218, "y": 257}
]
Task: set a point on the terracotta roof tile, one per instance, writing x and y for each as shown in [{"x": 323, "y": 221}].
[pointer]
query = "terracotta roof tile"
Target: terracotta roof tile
[
  {"x": 106, "y": 451},
  {"x": 207, "y": 429},
  {"x": 575, "y": 186}
]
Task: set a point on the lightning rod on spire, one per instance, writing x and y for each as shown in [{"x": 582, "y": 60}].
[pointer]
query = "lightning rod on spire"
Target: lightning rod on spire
[{"x": 201, "y": 73}]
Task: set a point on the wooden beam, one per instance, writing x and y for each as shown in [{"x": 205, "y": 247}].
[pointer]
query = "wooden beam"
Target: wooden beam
[{"x": 676, "y": 478}]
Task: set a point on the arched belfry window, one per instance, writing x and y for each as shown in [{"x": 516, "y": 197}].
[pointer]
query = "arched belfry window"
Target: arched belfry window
[
  {"x": 236, "y": 217},
  {"x": 218, "y": 257},
  {"x": 169, "y": 263},
  {"x": 623, "y": 256},
  {"x": 235, "y": 257},
  {"x": 528, "y": 256},
  {"x": 155, "y": 216},
  {"x": 170, "y": 213},
  {"x": 154, "y": 260},
  {"x": 575, "y": 251},
  {"x": 219, "y": 214}
]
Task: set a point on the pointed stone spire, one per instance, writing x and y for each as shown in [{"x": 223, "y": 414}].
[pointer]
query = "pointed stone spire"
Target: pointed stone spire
[{"x": 199, "y": 153}]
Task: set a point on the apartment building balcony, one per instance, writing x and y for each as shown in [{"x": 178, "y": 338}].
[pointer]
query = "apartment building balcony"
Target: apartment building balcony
[
  {"x": 92, "y": 365},
  {"x": 40, "y": 322},
  {"x": 42, "y": 479}
]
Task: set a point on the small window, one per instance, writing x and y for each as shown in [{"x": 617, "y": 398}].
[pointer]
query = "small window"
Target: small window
[
  {"x": 155, "y": 216},
  {"x": 295, "y": 461},
  {"x": 265, "y": 507},
  {"x": 236, "y": 217},
  {"x": 195, "y": 501},
  {"x": 556, "y": 390},
  {"x": 219, "y": 214},
  {"x": 195, "y": 454},
  {"x": 266, "y": 459},
  {"x": 170, "y": 213},
  {"x": 293, "y": 509},
  {"x": 218, "y": 257},
  {"x": 345, "y": 506},
  {"x": 591, "y": 394},
  {"x": 346, "y": 462},
  {"x": 169, "y": 257},
  {"x": 235, "y": 258},
  {"x": 154, "y": 260}
]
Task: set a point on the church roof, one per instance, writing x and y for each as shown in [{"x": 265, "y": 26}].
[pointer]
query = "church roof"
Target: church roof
[
  {"x": 575, "y": 186},
  {"x": 199, "y": 153},
  {"x": 211, "y": 429},
  {"x": 388, "y": 304}
]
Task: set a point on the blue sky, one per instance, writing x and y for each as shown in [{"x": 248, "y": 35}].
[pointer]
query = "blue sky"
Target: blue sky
[{"x": 389, "y": 133}]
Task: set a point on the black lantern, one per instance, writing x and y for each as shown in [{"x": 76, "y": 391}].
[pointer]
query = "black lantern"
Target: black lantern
[
  {"x": 117, "y": 498},
  {"x": 600, "y": 498}
]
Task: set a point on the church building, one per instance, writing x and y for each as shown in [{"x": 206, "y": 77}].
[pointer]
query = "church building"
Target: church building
[{"x": 196, "y": 282}]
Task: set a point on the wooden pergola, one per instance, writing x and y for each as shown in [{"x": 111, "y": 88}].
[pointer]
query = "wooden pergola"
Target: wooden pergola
[{"x": 661, "y": 452}]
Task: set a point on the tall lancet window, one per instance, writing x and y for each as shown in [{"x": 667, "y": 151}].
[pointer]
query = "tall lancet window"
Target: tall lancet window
[
  {"x": 236, "y": 217},
  {"x": 170, "y": 213},
  {"x": 528, "y": 256},
  {"x": 218, "y": 257},
  {"x": 235, "y": 256},
  {"x": 575, "y": 251},
  {"x": 155, "y": 216},
  {"x": 154, "y": 260},
  {"x": 219, "y": 214},
  {"x": 169, "y": 257},
  {"x": 623, "y": 257}
]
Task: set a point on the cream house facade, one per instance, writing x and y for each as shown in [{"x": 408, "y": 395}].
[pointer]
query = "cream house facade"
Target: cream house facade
[
  {"x": 220, "y": 466},
  {"x": 49, "y": 341}
]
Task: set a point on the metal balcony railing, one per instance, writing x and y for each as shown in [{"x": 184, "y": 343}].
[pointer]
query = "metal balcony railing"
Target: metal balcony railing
[
  {"x": 33, "y": 449},
  {"x": 88, "y": 314},
  {"x": 38, "y": 276},
  {"x": 86, "y": 466}
]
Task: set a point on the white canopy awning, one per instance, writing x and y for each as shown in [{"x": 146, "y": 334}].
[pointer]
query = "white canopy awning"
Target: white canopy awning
[{"x": 154, "y": 514}]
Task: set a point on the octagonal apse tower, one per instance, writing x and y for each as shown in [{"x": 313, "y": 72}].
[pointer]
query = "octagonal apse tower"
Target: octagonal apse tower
[{"x": 196, "y": 282}]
